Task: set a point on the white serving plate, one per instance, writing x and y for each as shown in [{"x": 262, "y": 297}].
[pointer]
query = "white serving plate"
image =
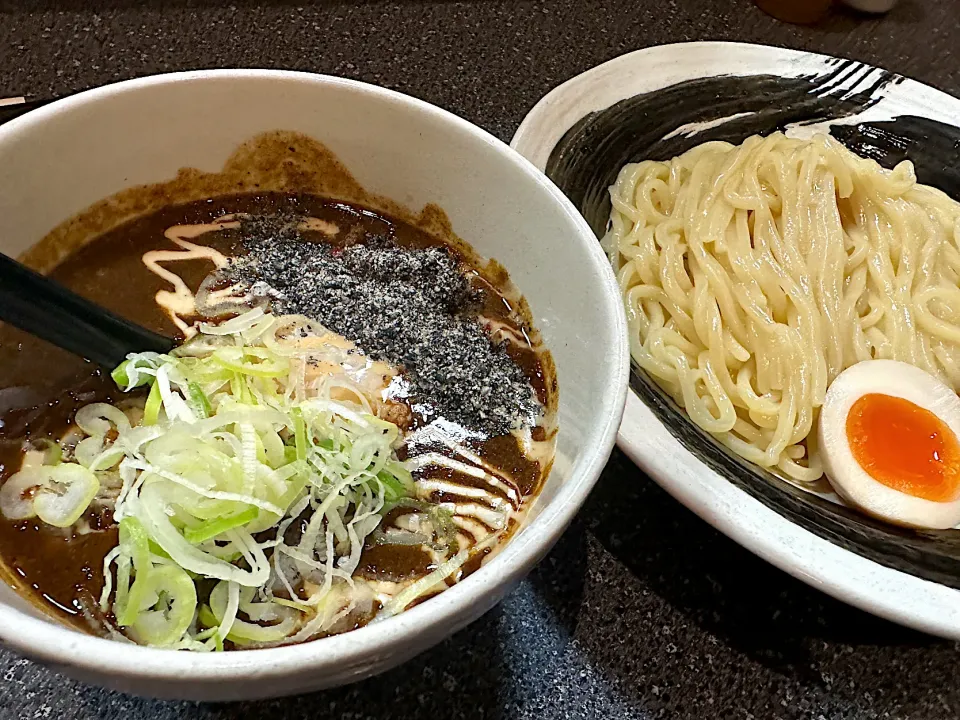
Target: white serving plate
[{"x": 847, "y": 575}]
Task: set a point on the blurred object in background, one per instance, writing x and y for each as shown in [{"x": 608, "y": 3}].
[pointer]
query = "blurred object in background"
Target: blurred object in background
[
  {"x": 796, "y": 11},
  {"x": 811, "y": 11},
  {"x": 871, "y": 6},
  {"x": 14, "y": 106}
]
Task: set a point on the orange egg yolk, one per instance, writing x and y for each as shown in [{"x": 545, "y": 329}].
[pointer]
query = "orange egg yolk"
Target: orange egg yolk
[{"x": 905, "y": 447}]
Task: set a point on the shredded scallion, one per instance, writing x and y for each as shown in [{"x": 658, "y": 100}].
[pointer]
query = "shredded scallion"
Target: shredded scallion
[{"x": 248, "y": 473}]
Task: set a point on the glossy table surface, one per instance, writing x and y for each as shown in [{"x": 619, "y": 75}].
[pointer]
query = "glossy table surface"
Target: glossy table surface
[{"x": 642, "y": 610}]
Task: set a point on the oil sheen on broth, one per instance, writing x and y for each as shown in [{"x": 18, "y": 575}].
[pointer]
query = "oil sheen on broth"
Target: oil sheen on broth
[{"x": 477, "y": 439}]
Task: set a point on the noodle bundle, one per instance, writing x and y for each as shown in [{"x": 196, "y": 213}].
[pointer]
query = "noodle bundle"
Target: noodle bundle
[{"x": 754, "y": 274}]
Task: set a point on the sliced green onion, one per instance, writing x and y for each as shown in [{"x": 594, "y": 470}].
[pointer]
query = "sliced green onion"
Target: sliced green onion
[
  {"x": 199, "y": 402},
  {"x": 300, "y": 434},
  {"x": 128, "y": 605},
  {"x": 255, "y": 361},
  {"x": 129, "y": 374},
  {"x": 231, "y": 450},
  {"x": 135, "y": 547},
  {"x": 302, "y": 607},
  {"x": 238, "y": 388},
  {"x": 234, "y": 326},
  {"x": 152, "y": 512},
  {"x": 151, "y": 411},
  {"x": 244, "y": 633},
  {"x": 135, "y": 544},
  {"x": 211, "y": 528},
  {"x": 123, "y": 590},
  {"x": 94, "y": 454},
  {"x": 394, "y": 487},
  {"x": 61, "y": 501},
  {"x": 158, "y": 551},
  {"x": 206, "y": 617},
  {"x": 119, "y": 374},
  {"x": 16, "y": 494},
  {"x": 273, "y": 449},
  {"x": 226, "y": 597},
  {"x": 100, "y": 418},
  {"x": 165, "y": 621}
]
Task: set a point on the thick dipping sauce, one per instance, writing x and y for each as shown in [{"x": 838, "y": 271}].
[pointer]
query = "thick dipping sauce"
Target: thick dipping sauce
[{"x": 42, "y": 387}]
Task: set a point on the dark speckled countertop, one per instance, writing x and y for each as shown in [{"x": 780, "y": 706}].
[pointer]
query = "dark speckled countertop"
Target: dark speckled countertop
[{"x": 642, "y": 610}]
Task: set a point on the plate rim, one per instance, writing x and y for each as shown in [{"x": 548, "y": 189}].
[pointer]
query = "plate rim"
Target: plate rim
[{"x": 845, "y": 575}]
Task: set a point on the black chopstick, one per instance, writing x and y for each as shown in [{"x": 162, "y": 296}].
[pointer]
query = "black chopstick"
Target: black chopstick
[{"x": 42, "y": 307}]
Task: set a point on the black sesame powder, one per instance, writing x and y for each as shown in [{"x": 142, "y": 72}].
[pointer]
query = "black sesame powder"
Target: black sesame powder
[{"x": 411, "y": 307}]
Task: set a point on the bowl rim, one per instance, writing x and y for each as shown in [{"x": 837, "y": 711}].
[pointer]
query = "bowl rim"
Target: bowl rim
[
  {"x": 892, "y": 594},
  {"x": 52, "y": 642}
]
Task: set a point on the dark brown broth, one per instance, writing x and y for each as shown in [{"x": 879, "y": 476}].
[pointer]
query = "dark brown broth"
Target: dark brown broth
[{"x": 41, "y": 387}]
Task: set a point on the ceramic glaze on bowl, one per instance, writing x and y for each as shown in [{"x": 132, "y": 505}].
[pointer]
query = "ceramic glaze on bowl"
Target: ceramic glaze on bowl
[
  {"x": 59, "y": 160},
  {"x": 658, "y": 103}
]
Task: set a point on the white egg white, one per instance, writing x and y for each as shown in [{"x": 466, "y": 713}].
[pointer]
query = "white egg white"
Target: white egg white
[{"x": 848, "y": 478}]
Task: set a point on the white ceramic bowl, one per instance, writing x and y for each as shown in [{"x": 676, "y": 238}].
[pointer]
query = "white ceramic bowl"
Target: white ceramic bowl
[{"x": 56, "y": 161}]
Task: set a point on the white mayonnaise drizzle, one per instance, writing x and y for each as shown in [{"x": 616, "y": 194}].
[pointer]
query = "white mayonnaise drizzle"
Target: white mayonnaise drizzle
[
  {"x": 500, "y": 330},
  {"x": 431, "y": 485},
  {"x": 321, "y": 226},
  {"x": 540, "y": 451},
  {"x": 478, "y": 531},
  {"x": 427, "y": 459},
  {"x": 492, "y": 518},
  {"x": 181, "y": 302}
]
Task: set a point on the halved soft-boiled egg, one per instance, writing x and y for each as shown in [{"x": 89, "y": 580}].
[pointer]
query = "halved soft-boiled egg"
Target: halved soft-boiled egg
[{"x": 889, "y": 442}]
